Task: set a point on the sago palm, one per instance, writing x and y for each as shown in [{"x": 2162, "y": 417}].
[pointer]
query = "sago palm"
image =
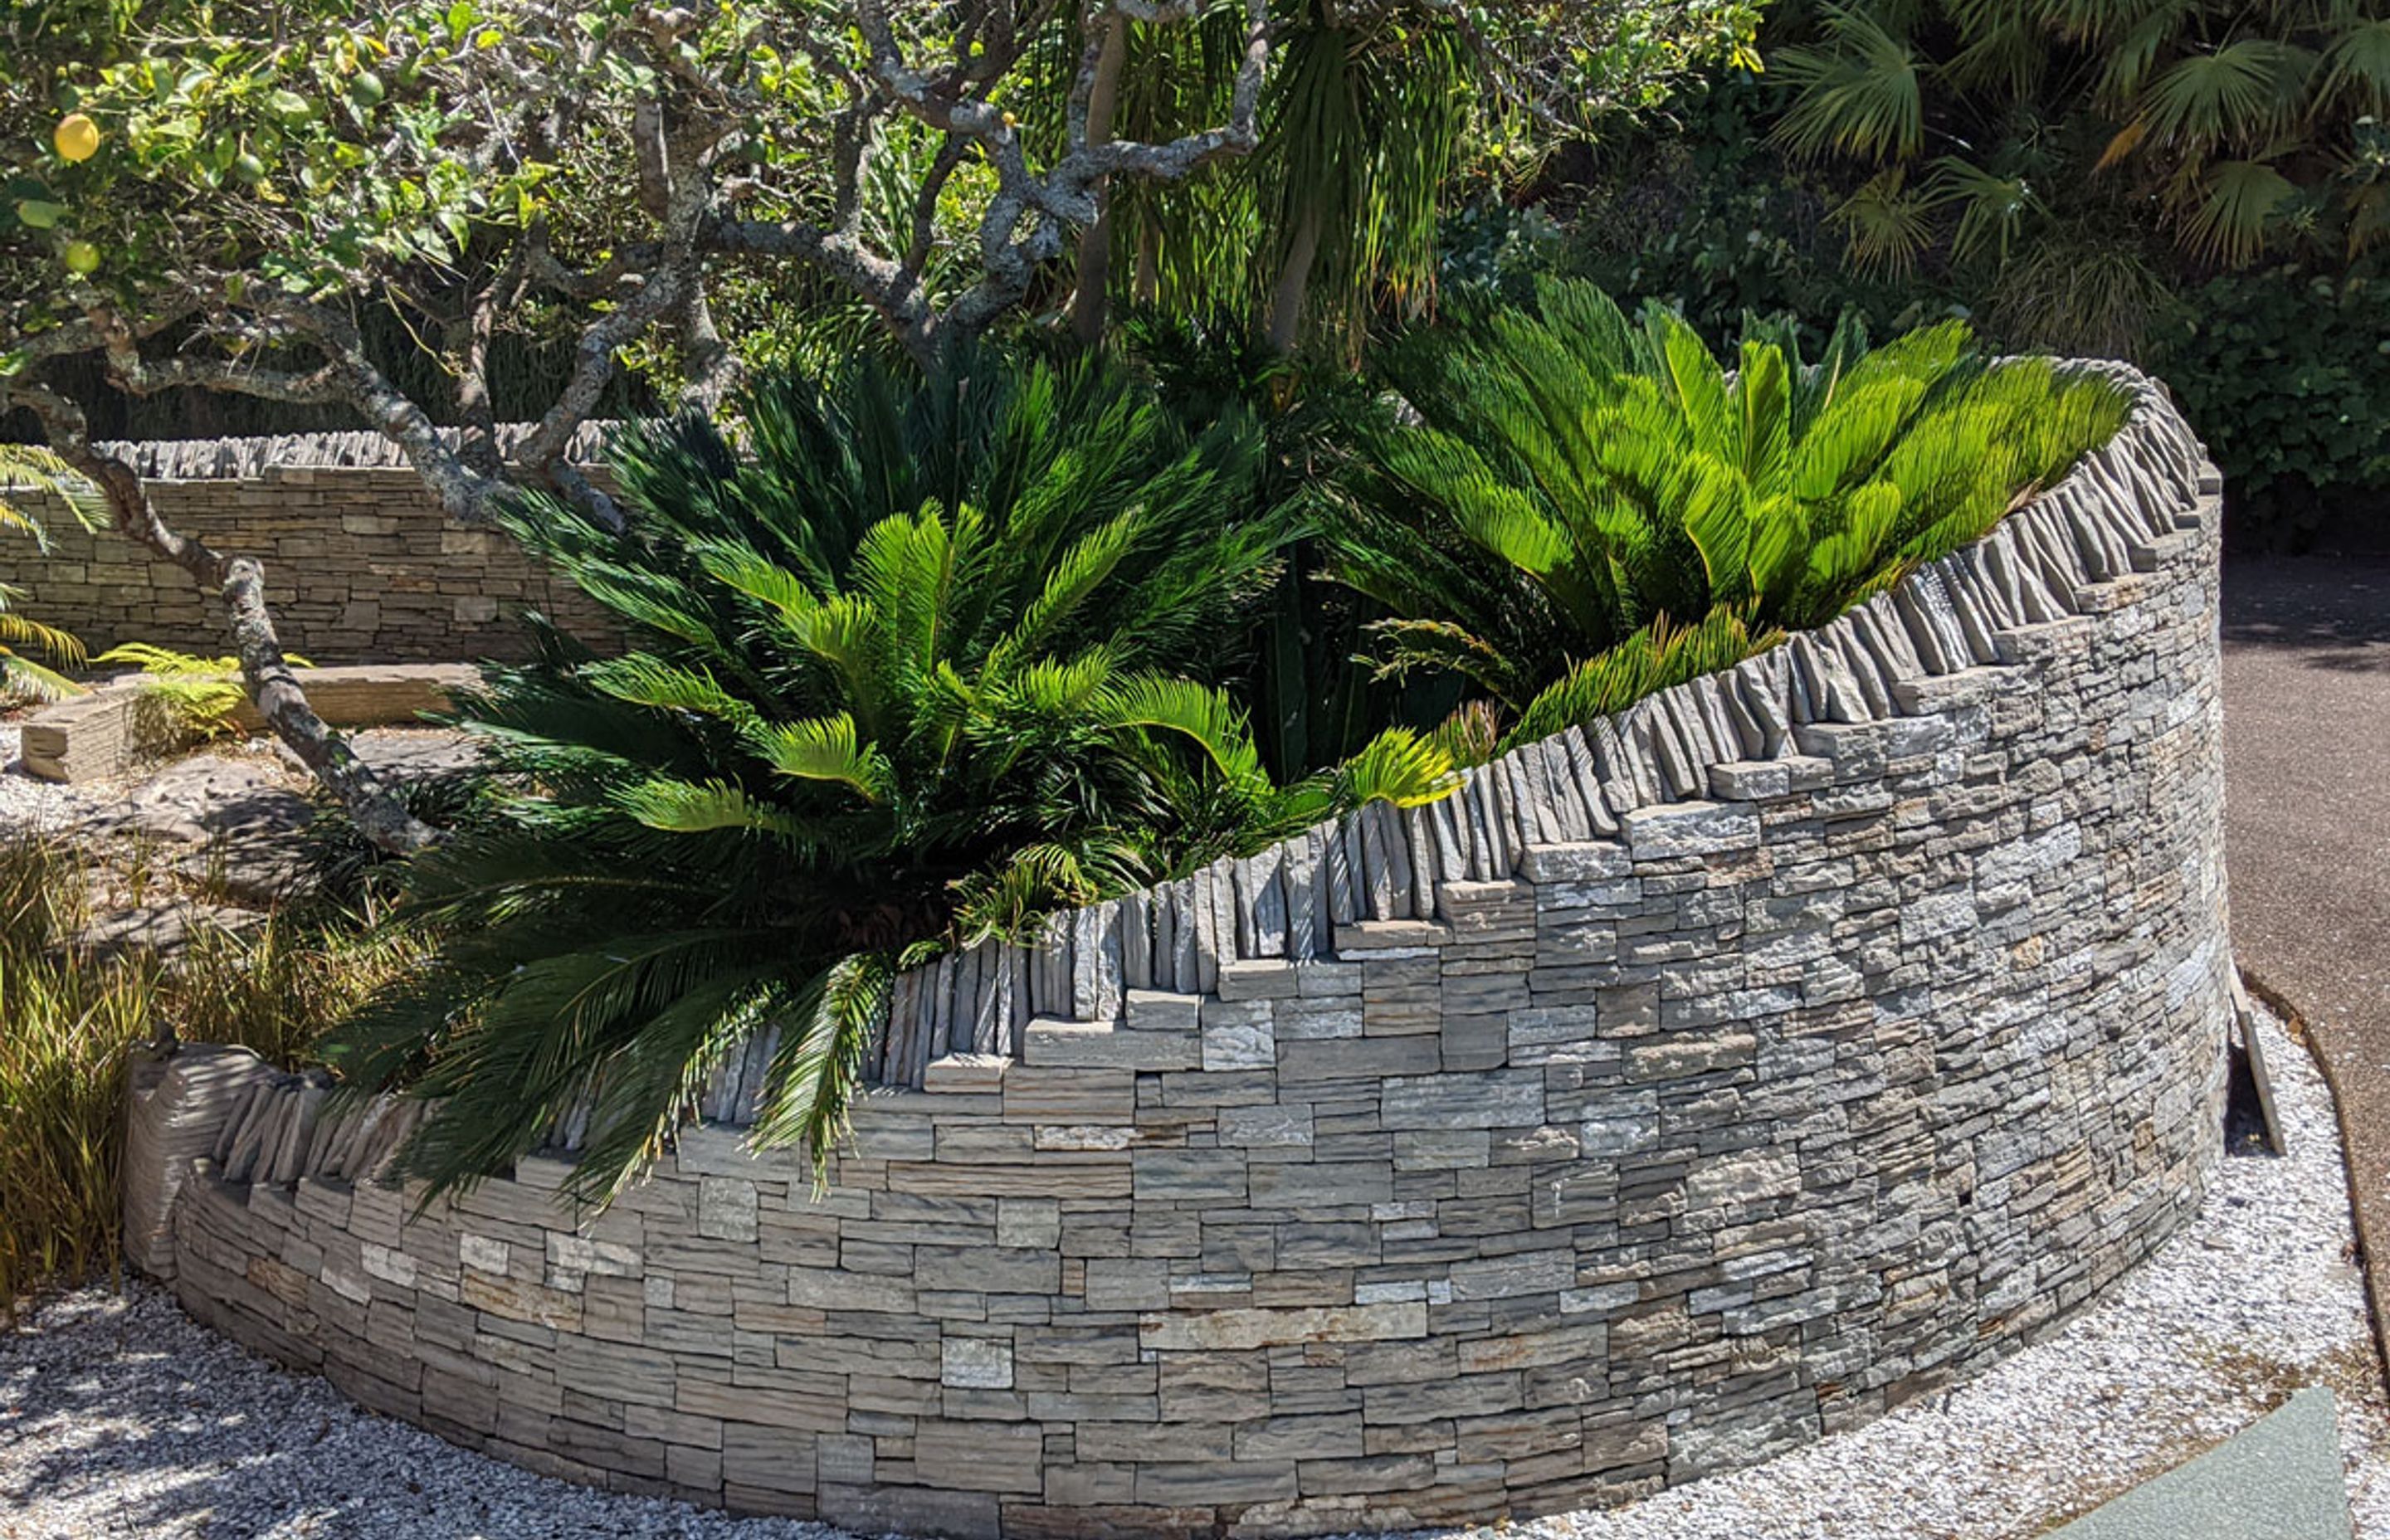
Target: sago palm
[
  {"x": 922, "y": 661},
  {"x": 1583, "y": 484}
]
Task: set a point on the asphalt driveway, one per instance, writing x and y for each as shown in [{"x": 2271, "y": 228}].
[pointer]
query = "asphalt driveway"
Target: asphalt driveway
[{"x": 2306, "y": 748}]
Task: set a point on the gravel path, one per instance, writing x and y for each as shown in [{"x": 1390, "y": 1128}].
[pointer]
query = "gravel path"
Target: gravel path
[{"x": 119, "y": 1418}]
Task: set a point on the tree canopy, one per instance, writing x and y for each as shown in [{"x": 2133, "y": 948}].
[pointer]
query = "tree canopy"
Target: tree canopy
[
  {"x": 226, "y": 196},
  {"x": 238, "y": 180}
]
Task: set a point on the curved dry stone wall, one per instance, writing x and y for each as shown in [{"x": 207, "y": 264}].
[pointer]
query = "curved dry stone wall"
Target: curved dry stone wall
[
  {"x": 361, "y": 565},
  {"x": 1683, "y": 1089}
]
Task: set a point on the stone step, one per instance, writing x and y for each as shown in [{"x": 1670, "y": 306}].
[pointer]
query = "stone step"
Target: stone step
[{"x": 1051, "y": 1043}]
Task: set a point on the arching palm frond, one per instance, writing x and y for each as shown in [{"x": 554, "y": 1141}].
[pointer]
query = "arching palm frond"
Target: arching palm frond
[
  {"x": 2232, "y": 206},
  {"x": 26, "y": 468},
  {"x": 2243, "y": 92},
  {"x": 1886, "y": 224}
]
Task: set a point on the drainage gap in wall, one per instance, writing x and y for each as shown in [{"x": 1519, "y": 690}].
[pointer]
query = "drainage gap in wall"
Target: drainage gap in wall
[{"x": 2245, "y": 1130}]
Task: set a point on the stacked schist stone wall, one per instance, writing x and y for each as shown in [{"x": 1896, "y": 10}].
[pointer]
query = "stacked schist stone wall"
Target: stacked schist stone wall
[
  {"x": 361, "y": 565},
  {"x": 1684, "y": 1089}
]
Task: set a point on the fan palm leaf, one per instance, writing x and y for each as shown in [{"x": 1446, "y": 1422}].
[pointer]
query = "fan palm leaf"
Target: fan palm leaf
[{"x": 1859, "y": 94}]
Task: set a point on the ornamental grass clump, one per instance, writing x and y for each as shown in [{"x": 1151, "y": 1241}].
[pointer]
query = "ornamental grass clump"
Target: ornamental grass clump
[
  {"x": 71, "y": 1018},
  {"x": 1593, "y": 509},
  {"x": 920, "y": 660}
]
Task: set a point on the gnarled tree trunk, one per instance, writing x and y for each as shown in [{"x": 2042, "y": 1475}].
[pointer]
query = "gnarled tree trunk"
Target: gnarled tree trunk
[{"x": 240, "y": 581}]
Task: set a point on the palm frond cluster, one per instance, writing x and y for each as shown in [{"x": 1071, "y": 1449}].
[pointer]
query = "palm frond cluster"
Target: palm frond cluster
[
  {"x": 1595, "y": 508},
  {"x": 24, "y": 468},
  {"x": 2254, "y": 127},
  {"x": 925, "y": 661}
]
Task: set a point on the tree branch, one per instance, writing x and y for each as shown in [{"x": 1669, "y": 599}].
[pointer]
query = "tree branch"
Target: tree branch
[{"x": 240, "y": 581}]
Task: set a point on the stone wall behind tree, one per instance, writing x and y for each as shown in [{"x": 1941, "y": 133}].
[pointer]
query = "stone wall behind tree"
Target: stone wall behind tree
[
  {"x": 1780, "y": 1050},
  {"x": 361, "y": 565}
]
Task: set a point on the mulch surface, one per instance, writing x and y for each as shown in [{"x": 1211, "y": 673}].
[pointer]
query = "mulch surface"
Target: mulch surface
[{"x": 2306, "y": 748}]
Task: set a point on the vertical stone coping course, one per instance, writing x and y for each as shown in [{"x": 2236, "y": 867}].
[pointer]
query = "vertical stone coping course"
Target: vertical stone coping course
[{"x": 1683, "y": 1089}]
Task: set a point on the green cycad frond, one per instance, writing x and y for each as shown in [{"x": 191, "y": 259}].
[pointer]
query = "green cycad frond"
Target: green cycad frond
[
  {"x": 198, "y": 695},
  {"x": 1651, "y": 660},
  {"x": 643, "y": 679},
  {"x": 928, "y": 636},
  {"x": 25, "y": 679},
  {"x": 1470, "y": 736},
  {"x": 28, "y": 467},
  {"x": 1400, "y": 766},
  {"x": 824, "y": 749},
  {"x": 1200, "y": 714},
  {"x": 830, "y": 1024},
  {"x": 1663, "y": 488},
  {"x": 18, "y": 630},
  {"x": 698, "y": 807}
]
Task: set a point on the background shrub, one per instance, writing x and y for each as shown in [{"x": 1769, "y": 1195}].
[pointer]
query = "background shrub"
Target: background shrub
[{"x": 2287, "y": 375}]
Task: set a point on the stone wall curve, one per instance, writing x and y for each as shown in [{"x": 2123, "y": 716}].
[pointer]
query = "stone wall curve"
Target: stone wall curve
[{"x": 1791, "y": 1044}]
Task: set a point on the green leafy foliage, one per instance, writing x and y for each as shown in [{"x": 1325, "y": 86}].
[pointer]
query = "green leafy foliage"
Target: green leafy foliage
[
  {"x": 27, "y": 469},
  {"x": 924, "y": 660},
  {"x": 2246, "y": 123},
  {"x": 2287, "y": 376},
  {"x": 2277, "y": 366},
  {"x": 1596, "y": 507},
  {"x": 1375, "y": 119},
  {"x": 187, "y": 697}
]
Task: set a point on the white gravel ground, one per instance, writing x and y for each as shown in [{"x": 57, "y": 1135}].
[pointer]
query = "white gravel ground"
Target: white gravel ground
[
  {"x": 26, "y": 802},
  {"x": 119, "y": 1418}
]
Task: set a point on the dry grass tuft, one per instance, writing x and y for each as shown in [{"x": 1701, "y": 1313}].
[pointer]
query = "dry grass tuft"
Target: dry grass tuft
[{"x": 70, "y": 1019}]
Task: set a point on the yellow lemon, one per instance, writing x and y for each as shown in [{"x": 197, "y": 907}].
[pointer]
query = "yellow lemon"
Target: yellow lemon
[
  {"x": 82, "y": 256},
  {"x": 77, "y": 137}
]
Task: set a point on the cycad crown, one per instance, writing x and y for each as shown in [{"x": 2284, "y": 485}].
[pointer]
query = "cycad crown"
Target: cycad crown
[
  {"x": 922, "y": 660},
  {"x": 1594, "y": 508}
]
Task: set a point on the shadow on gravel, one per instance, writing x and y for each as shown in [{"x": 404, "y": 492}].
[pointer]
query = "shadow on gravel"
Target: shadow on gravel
[{"x": 124, "y": 1420}]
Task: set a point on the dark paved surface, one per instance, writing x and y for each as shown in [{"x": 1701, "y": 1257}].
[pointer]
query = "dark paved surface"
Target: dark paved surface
[{"x": 2306, "y": 749}]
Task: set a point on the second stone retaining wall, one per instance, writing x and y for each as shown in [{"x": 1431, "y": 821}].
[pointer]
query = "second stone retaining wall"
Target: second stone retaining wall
[
  {"x": 361, "y": 565},
  {"x": 1772, "y": 1090}
]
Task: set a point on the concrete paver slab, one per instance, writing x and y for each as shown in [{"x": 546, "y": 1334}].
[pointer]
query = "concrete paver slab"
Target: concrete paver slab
[{"x": 2278, "y": 1480}]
